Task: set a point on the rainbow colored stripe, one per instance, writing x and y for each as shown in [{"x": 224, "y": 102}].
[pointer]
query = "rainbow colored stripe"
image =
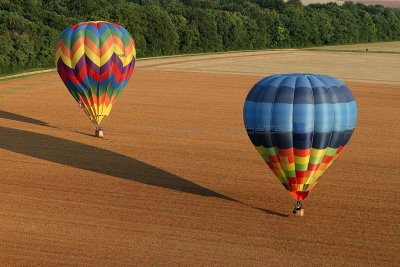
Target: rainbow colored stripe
[
  {"x": 299, "y": 123},
  {"x": 95, "y": 61}
]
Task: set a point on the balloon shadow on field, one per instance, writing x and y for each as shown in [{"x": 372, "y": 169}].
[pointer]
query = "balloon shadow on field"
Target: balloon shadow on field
[
  {"x": 271, "y": 212},
  {"x": 16, "y": 117},
  {"x": 96, "y": 159},
  {"x": 99, "y": 160}
]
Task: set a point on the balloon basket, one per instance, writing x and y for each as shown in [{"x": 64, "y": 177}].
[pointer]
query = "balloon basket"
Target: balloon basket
[
  {"x": 298, "y": 209},
  {"x": 299, "y": 213},
  {"x": 99, "y": 132}
]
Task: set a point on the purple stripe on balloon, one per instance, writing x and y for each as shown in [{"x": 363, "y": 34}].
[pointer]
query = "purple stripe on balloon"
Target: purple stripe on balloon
[
  {"x": 81, "y": 64},
  {"x": 107, "y": 65},
  {"x": 86, "y": 62},
  {"x": 88, "y": 80},
  {"x": 91, "y": 65},
  {"x": 118, "y": 63},
  {"x": 61, "y": 66}
]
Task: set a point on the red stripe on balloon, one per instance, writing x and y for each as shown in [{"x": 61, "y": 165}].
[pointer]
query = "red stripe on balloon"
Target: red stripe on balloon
[{"x": 302, "y": 152}]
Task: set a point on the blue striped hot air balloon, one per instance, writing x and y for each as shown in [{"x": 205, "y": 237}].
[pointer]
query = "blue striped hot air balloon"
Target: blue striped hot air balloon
[{"x": 299, "y": 123}]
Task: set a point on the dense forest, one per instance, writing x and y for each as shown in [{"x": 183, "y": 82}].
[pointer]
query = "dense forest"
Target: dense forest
[{"x": 29, "y": 28}]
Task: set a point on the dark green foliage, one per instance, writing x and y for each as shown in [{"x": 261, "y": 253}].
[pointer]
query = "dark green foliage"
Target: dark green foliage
[
  {"x": 29, "y": 28},
  {"x": 188, "y": 34},
  {"x": 160, "y": 34},
  {"x": 204, "y": 21}
]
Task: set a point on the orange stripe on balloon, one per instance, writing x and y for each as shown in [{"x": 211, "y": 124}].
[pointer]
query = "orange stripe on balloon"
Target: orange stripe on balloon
[
  {"x": 92, "y": 46},
  {"x": 301, "y": 180},
  {"x": 101, "y": 99},
  {"x": 302, "y": 152},
  {"x": 322, "y": 166},
  {"x": 107, "y": 100},
  {"x": 129, "y": 47},
  {"x": 94, "y": 98},
  {"x": 65, "y": 50},
  {"x": 58, "y": 45},
  {"x": 118, "y": 42},
  {"x": 106, "y": 45},
  {"x": 78, "y": 44},
  {"x": 113, "y": 98},
  {"x": 288, "y": 153}
]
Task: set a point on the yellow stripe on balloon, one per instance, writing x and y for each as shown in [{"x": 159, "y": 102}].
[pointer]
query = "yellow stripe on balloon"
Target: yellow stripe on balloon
[
  {"x": 290, "y": 167},
  {"x": 301, "y": 160},
  {"x": 107, "y": 55},
  {"x": 88, "y": 110},
  {"x": 310, "y": 174},
  {"x": 133, "y": 51},
  {"x": 106, "y": 109},
  {"x": 318, "y": 173},
  {"x": 118, "y": 49},
  {"x": 311, "y": 181},
  {"x": 322, "y": 166},
  {"x": 65, "y": 59},
  {"x": 318, "y": 152},
  {"x": 77, "y": 56},
  {"x": 128, "y": 58},
  {"x": 92, "y": 56}
]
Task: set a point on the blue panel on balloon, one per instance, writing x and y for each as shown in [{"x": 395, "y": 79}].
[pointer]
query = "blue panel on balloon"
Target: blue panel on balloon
[{"x": 300, "y": 111}]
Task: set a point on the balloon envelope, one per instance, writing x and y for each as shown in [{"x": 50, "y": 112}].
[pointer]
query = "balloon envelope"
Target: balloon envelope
[
  {"x": 299, "y": 124},
  {"x": 95, "y": 61}
]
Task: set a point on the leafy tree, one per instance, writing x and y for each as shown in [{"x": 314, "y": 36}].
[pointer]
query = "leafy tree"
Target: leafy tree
[
  {"x": 298, "y": 26},
  {"x": 204, "y": 21},
  {"x": 7, "y": 51},
  {"x": 188, "y": 35},
  {"x": 278, "y": 5},
  {"x": 232, "y": 30},
  {"x": 159, "y": 32}
]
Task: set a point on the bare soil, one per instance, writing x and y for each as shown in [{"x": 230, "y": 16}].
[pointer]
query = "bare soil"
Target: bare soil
[{"x": 176, "y": 181}]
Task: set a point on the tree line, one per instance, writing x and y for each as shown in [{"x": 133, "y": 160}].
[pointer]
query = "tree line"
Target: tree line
[{"x": 29, "y": 28}]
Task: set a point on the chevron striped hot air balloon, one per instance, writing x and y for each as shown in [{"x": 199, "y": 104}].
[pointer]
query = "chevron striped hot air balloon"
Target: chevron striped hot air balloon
[
  {"x": 299, "y": 123},
  {"x": 95, "y": 61}
]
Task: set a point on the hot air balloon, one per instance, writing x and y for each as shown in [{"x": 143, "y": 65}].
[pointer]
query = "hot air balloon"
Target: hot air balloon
[
  {"x": 299, "y": 124},
  {"x": 95, "y": 61}
]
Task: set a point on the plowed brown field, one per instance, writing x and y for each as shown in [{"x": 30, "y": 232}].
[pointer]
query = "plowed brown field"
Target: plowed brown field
[{"x": 176, "y": 181}]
